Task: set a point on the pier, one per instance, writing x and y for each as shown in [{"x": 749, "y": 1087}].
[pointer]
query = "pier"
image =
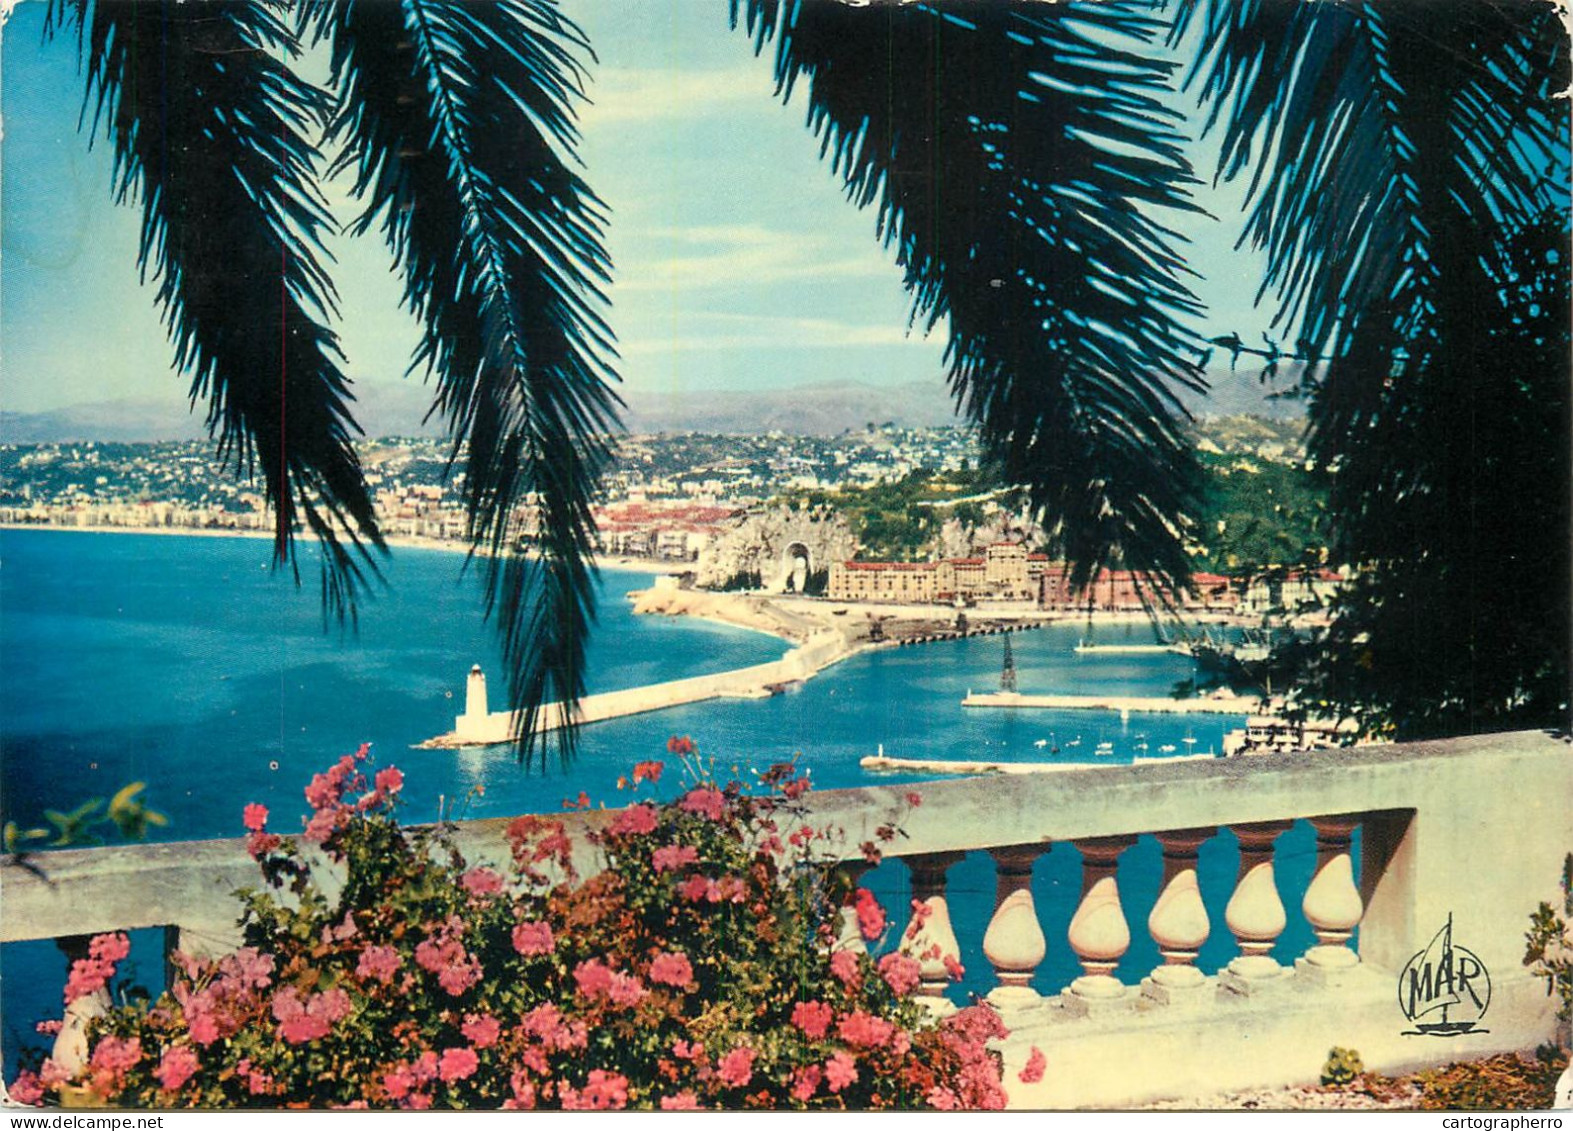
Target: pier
[
  {"x": 881, "y": 762},
  {"x": 479, "y": 726},
  {"x": 1209, "y": 705}
]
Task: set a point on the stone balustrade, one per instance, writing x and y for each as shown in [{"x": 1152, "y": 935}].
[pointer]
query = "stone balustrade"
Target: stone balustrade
[{"x": 1469, "y": 830}]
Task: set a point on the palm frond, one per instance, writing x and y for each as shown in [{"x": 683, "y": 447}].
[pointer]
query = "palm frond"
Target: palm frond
[
  {"x": 1404, "y": 156},
  {"x": 209, "y": 127},
  {"x": 1020, "y": 155},
  {"x": 457, "y": 122}
]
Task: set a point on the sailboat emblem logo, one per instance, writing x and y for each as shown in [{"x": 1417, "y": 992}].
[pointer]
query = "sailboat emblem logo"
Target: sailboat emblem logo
[{"x": 1444, "y": 989}]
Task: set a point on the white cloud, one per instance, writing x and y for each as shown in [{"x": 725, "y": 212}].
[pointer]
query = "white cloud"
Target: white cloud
[
  {"x": 633, "y": 96},
  {"x": 753, "y": 331},
  {"x": 741, "y": 255}
]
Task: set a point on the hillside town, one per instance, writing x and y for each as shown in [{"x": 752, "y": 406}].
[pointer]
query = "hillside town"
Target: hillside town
[{"x": 772, "y": 512}]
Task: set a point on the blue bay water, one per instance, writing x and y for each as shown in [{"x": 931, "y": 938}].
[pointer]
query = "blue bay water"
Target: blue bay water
[{"x": 190, "y": 664}]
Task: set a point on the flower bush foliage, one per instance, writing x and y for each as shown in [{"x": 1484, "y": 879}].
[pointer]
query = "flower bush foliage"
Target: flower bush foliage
[{"x": 698, "y": 968}]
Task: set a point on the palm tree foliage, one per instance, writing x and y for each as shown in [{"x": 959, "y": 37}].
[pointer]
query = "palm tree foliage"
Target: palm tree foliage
[
  {"x": 212, "y": 133},
  {"x": 456, "y": 120},
  {"x": 1021, "y": 156},
  {"x": 1409, "y": 181}
]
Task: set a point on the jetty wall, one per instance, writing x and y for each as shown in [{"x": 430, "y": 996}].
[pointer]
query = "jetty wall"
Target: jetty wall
[
  {"x": 754, "y": 682},
  {"x": 1209, "y": 705}
]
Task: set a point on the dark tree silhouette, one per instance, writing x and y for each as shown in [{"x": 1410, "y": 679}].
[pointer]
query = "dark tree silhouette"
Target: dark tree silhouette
[{"x": 1409, "y": 167}]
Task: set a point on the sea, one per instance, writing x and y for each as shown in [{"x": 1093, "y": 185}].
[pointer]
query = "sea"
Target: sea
[{"x": 193, "y": 665}]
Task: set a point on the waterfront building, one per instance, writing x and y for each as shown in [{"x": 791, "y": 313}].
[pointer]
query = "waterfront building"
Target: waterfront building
[{"x": 1005, "y": 572}]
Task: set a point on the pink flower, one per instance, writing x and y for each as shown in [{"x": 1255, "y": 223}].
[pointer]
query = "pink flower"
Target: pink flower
[
  {"x": 302, "y": 1027},
  {"x": 697, "y": 889},
  {"x": 378, "y": 962},
  {"x": 605, "y": 1091},
  {"x": 687, "y": 1050},
  {"x": 321, "y": 827},
  {"x": 672, "y": 857},
  {"x": 805, "y": 1082},
  {"x": 481, "y": 881},
  {"x": 648, "y": 771},
  {"x": 459, "y": 976},
  {"x": 88, "y": 976},
  {"x": 260, "y": 844},
  {"x": 389, "y": 780},
  {"x": 1033, "y": 1072},
  {"x": 49, "y": 1028},
  {"x": 864, "y": 1029},
  {"x": 113, "y": 1056},
  {"x": 636, "y": 820},
  {"x": 400, "y": 1082},
  {"x": 249, "y": 968},
  {"x": 736, "y": 1068},
  {"x": 109, "y": 948},
  {"x": 481, "y": 1030},
  {"x": 255, "y": 817},
  {"x": 813, "y": 1018},
  {"x": 704, "y": 800},
  {"x": 682, "y": 1101},
  {"x": 840, "y": 1070},
  {"x": 457, "y": 1064},
  {"x": 941, "y": 1098},
  {"x": 844, "y": 965},
  {"x": 530, "y": 938},
  {"x": 309, "y": 1020},
  {"x": 178, "y": 1064},
  {"x": 954, "y": 968},
  {"x": 871, "y": 916},
  {"x": 523, "y": 1092},
  {"x": 901, "y": 972},
  {"x": 26, "y": 1089},
  {"x": 671, "y": 969},
  {"x": 592, "y": 977},
  {"x": 52, "y": 1074},
  {"x": 914, "y": 799}
]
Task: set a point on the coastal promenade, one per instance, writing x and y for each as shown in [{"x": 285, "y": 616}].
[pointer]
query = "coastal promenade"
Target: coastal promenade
[{"x": 1158, "y": 705}]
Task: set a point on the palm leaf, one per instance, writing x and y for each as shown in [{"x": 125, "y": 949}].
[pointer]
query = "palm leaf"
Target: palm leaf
[
  {"x": 457, "y": 122},
  {"x": 1409, "y": 174},
  {"x": 1019, "y": 154},
  {"x": 209, "y": 127}
]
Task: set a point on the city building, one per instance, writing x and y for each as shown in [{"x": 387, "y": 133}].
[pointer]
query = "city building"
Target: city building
[{"x": 1005, "y": 572}]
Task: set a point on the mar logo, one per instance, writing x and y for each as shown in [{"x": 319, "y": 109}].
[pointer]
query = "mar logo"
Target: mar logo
[{"x": 1444, "y": 989}]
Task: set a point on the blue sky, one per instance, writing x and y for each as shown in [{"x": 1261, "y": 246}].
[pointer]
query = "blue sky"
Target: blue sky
[{"x": 739, "y": 264}]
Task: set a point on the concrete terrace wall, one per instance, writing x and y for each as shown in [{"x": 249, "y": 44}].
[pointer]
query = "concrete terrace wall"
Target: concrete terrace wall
[{"x": 1473, "y": 829}]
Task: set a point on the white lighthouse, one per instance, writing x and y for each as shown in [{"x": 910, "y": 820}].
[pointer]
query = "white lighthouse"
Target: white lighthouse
[{"x": 473, "y": 723}]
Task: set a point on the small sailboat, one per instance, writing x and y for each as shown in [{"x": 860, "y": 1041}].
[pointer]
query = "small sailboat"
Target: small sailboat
[
  {"x": 1437, "y": 980},
  {"x": 1166, "y": 748},
  {"x": 1041, "y": 743},
  {"x": 1104, "y": 749}
]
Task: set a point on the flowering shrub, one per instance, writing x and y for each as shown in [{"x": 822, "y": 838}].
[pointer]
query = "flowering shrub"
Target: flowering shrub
[{"x": 698, "y": 968}]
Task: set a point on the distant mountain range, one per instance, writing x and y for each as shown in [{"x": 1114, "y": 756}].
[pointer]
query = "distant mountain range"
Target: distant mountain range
[{"x": 398, "y": 409}]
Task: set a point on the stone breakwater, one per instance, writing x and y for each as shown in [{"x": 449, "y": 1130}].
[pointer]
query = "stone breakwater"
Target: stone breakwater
[
  {"x": 822, "y": 649},
  {"x": 1207, "y": 705}
]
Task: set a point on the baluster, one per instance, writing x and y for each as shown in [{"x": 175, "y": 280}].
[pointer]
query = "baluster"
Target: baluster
[
  {"x": 1014, "y": 942},
  {"x": 1255, "y": 914},
  {"x": 1098, "y": 932},
  {"x": 1332, "y": 901},
  {"x": 849, "y": 936},
  {"x": 1178, "y": 923},
  {"x": 930, "y": 937},
  {"x": 70, "y": 1048}
]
